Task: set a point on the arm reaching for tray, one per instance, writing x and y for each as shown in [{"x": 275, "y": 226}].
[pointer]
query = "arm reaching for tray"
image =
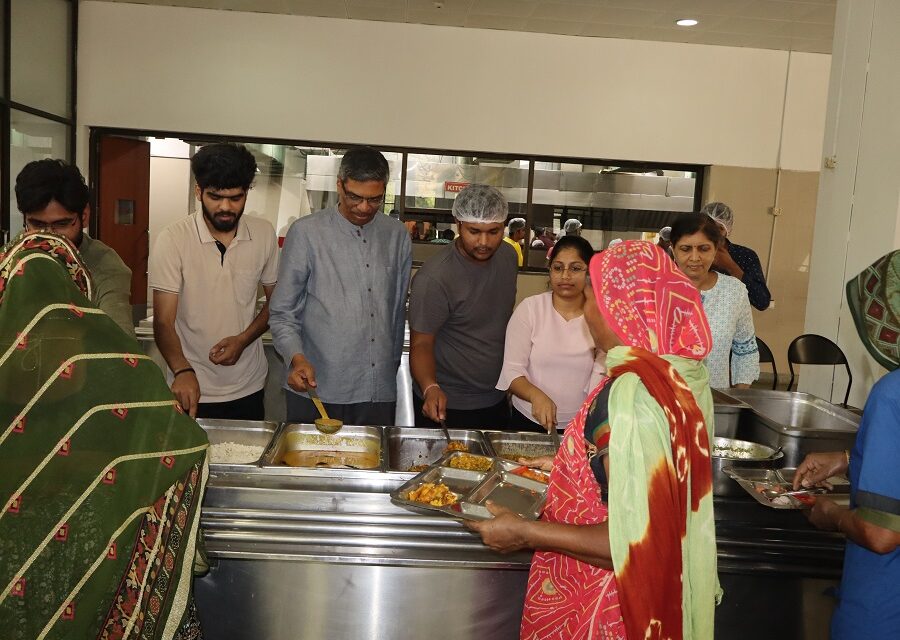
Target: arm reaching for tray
[{"x": 506, "y": 532}]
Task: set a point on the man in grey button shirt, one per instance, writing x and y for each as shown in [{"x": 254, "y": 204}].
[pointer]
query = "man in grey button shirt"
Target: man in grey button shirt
[
  {"x": 337, "y": 314},
  {"x": 460, "y": 302}
]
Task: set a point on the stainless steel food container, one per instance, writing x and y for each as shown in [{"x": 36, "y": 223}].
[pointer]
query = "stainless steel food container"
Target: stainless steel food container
[
  {"x": 728, "y": 453},
  {"x": 728, "y": 414},
  {"x": 248, "y": 432},
  {"x": 407, "y": 447},
  {"x": 799, "y": 423},
  {"x": 351, "y": 438},
  {"x": 513, "y": 445}
]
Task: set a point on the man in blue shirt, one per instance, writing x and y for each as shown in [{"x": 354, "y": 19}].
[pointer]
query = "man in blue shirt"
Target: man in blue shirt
[
  {"x": 337, "y": 314},
  {"x": 869, "y": 596}
]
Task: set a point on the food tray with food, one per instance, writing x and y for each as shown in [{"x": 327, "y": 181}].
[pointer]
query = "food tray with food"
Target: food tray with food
[
  {"x": 235, "y": 443},
  {"x": 515, "y": 445},
  {"x": 774, "y": 488},
  {"x": 460, "y": 484},
  {"x": 302, "y": 445},
  {"x": 413, "y": 450}
]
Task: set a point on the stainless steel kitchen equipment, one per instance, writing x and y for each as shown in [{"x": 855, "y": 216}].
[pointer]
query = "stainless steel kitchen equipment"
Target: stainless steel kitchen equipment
[
  {"x": 728, "y": 453},
  {"x": 324, "y": 553},
  {"x": 241, "y": 432},
  {"x": 410, "y": 447},
  {"x": 799, "y": 423},
  {"x": 302, "y": 445},
  {"x": 728, "y": 414},
  {"x": 472, "y": 488},
  {"x": 513, "y": 445}
]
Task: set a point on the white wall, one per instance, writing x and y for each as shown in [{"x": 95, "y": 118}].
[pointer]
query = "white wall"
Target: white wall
[
  {"x": 291, "y": 77},
  {"x": 858, "y": 217}
]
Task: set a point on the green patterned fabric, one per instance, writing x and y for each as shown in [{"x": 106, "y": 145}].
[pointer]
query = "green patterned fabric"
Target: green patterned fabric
[
  {"x": 874, "y": 300},
  {"x": 102, "y": 477}
]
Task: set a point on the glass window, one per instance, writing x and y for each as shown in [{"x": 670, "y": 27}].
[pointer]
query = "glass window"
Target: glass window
[
  {"x": 609, "y": 201},
  {"x": 41, "y": 54},
  {"x": 432, "y": 182},
  {"x": 31, "y": 138}
]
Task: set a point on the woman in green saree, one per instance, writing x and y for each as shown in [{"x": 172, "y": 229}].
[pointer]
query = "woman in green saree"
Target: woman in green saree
[{"x": 102, "y": 475}]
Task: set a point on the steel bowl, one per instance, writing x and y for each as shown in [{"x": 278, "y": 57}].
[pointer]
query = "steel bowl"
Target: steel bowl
[{"x": 728, "y": 452}]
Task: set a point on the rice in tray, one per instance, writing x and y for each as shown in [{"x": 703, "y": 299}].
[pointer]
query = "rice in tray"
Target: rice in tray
[{"x": 234, "y": 453}]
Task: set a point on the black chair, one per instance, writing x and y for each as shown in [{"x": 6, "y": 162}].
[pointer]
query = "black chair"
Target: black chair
[
  {"x": 814, "y": 349},
  {"x": 765, "y": 356}
]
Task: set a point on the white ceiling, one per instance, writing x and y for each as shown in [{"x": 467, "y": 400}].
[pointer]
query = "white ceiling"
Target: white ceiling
[{"x": 796, "y": 25}]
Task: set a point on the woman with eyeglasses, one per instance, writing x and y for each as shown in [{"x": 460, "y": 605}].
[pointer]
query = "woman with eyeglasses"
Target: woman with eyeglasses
[{"x": 550, "y": 359}]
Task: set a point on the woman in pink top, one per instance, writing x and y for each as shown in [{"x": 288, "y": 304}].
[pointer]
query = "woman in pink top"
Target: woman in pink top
[{"x": 550, "y": 359}]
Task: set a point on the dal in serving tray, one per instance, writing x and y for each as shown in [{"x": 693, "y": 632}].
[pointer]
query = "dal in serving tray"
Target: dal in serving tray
[
  {"x": 774, "y": 488},
  {"x": 459, "y": 474}
]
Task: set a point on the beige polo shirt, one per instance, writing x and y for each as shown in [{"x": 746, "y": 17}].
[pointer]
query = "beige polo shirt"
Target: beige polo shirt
[{"x": 216, "y": 297}]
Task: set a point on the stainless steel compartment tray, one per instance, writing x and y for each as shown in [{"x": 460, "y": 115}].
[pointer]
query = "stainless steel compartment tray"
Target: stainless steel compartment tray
[
  {"x": 474, "y": 488},
  {"x": 245, "y": 432},
  {"x": 754, "y": 481},
  {"x": 407, "y": 447},
  {"x": 515, "y": 445},
  {"x": 353, "y": 447}
]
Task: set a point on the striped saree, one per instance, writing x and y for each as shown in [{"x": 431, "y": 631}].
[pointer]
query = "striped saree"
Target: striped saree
[{"x": 102, "y": 477}]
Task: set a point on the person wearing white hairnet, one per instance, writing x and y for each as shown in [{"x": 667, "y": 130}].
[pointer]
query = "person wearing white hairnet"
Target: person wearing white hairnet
[
  {"x": 572, "y": 227},
  {"x": 460, "y": 302},
  {"x": 515, "y": 236},
  {"x": 738, "y": 261}
]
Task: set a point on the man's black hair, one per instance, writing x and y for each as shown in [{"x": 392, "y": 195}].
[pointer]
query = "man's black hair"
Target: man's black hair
[
  {"x": 41, "y": 181},
  {"x": 363, "y": 164},
  {"x": 224, "y": 166}
]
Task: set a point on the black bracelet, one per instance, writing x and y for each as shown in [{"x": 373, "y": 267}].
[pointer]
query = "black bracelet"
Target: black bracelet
[{"x": 180, "y": 371}]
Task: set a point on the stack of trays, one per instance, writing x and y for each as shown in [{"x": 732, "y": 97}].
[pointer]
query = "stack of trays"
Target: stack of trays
[{"x": 460, "y": 484}]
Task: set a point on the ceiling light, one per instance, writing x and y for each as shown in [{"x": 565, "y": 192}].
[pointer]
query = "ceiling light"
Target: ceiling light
[{"x": 686, "y": 22}]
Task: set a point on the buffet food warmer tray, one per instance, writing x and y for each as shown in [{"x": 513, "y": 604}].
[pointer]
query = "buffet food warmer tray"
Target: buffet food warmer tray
[{"x": 460, "y": 485}]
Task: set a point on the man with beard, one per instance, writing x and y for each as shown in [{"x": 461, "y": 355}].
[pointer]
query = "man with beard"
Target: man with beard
[
  {"x": 338, "y": 312},
  {"x": 460, "y": 303},
  {"x": 52, "y": 196},
  {"x": 205, "y": 271}
]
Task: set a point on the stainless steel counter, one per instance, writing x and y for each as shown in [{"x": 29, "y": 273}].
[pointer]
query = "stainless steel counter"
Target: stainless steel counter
[{"x": 312, "y": 553}]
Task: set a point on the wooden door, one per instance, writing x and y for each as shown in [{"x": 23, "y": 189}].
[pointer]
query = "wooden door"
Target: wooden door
[{"x": 123, "y": 206}]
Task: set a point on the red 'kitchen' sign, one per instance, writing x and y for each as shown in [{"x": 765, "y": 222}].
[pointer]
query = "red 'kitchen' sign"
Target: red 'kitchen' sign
[{"x": 455, "y": 187}]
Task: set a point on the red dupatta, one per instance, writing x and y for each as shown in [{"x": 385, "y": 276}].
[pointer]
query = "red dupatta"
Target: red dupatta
[{"x": 654, "y": 308}]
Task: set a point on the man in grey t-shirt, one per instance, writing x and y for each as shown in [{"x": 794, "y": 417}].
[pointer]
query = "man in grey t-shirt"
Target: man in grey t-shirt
[{"x": 460, "y": 302}]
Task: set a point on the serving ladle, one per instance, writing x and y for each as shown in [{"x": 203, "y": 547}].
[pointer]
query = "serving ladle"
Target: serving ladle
[{"x": 324, "y": 424}]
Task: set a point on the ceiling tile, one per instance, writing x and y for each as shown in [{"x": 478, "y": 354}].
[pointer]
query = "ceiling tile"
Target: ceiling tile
[
  {"x": 517, "y": 8},
  {"x": 448, "y": 5},
  {"x": 507, "y": 23},
  {"x": 318, "y": 8},
  {"x": 705, "y": 22},
  {"x": 384, "y": 12},
  {"x": 442, "y": 17},
  {"x": 567, "y": 12},
  {"x": 808, "y": 12},
  {"x": 754, "y": 27},
  {"x": 616, "y": 15},
  {"x": 813, "y": 31},
  {"x": 562, "y": 27},
  {"x": 768, "y": 10},
  {"x": 601, "y": 30}
]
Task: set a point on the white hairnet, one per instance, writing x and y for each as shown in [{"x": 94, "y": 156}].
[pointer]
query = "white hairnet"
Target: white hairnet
[
  {"x": 480, "y": 203},
  {"x": 666, "y": 234},
  {"x": 571, "y": 225},
  {"x": 515, "y": 224},
  {"x": 614, "y": 242},
  {"x": 721, "y": 213}
]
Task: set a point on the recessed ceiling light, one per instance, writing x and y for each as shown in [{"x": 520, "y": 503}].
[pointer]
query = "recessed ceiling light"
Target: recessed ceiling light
[{"x": 686, "y": 22}]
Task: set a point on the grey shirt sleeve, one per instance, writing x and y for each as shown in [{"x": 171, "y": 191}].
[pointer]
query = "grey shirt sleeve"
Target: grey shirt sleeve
[
  {"x": 286, "y": 305},
  {"x": 429, "y": 307}
]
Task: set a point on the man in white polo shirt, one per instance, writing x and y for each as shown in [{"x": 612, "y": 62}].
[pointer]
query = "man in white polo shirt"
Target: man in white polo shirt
[{"x": 205, "y": 271}]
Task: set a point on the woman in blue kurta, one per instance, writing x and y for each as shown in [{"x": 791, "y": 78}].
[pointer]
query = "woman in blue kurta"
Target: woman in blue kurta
[{"x": 869, "y": 596}]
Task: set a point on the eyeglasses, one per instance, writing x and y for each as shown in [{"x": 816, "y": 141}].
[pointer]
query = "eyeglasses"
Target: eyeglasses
[
  {"x": 574, "y": 269},
  {"x": 58, "y": 226},
  {"x": 352, "y": 198}
]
